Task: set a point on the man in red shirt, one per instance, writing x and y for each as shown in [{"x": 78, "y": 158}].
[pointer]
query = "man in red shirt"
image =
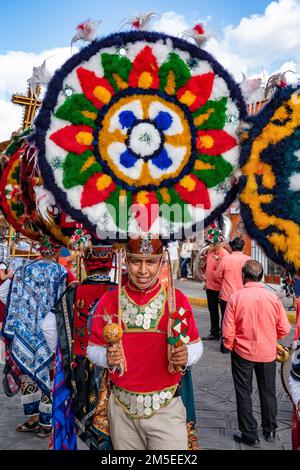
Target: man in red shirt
[
  {"x": 229, "y": 274},
  {"x": 253, "y": 322},
  {"x": 145, "y": 407}
]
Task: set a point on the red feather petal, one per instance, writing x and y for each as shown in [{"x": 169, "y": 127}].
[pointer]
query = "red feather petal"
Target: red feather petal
[
  {"x": 75, "y": 139},
  {"x": 145, "y": 209},
  {"x": 97, "y": 189},
  {"x": 193, "y": 191},
  {"x": 98, "y": 90},
  {"x": 197, "y": 91},
  {"x": 214, "y": 142},
  {"x": 144, "y": 73}
]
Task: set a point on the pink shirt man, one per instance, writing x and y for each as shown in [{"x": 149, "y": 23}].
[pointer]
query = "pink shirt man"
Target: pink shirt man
[
  {"x": 297, "y": 327},
  {"x": 212, "y": 263},
  {"x": 229, "y": 273},
  {"x": 253, "y": 322}
]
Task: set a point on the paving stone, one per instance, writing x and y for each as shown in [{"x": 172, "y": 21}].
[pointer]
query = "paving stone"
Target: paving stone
[
  {"x": 216, "y": 444},
  {"x": 211, "y": 423},
  {"x": 224, "y": 386},
  {"x": 214, "y": 400},
  {"x": 285, "y": 406}
]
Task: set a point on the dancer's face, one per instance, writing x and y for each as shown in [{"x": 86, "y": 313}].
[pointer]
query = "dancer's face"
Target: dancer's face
[{"x": 143, "y": 270}]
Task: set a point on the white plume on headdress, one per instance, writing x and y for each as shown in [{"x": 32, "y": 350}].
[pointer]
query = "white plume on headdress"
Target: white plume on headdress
[
  {"x": 198, "y": 33},
  {"x": 86, "y": 31},
  {"x": 44, "y": 202},
  {"x": 140, "y": 21},
  {"x": 276, "y": 80},
  {"x": 40, "y": 76},
  {"x": 251, "y": 89}
]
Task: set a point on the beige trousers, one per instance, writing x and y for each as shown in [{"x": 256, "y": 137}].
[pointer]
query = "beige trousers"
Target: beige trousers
[
  {"x": 165, "y": 430},
  {"x": 175, "y": 268}
]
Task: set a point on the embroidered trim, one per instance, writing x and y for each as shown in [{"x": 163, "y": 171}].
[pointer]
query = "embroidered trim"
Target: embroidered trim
[
  {"x": 99, "y": 277},
  {"x": 143, "y": 405},
  {"x": 30, "y": 398},
  {"x": 68, "y": 326}
]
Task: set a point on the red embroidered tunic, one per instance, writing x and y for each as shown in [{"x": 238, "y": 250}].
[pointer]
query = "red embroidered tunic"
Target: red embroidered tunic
[
  {"x": 145, "y": 349},
  {"x": 87, "y": 295}
]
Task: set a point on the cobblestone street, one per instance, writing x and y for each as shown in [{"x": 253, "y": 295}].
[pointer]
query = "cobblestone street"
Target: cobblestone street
[{"x": 215, "y": 404}]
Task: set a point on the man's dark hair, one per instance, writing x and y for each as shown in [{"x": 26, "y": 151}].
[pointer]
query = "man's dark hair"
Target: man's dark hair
[
  {"x": 253, "y": 271},
  {"x": 237, "y": 244}
]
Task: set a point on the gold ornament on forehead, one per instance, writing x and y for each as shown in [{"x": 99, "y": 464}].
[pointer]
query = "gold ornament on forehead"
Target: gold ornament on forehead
[{"x": 146, "y": 246}]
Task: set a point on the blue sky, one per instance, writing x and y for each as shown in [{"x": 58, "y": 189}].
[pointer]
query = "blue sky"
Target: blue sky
[{"x": 33, "y": 26}]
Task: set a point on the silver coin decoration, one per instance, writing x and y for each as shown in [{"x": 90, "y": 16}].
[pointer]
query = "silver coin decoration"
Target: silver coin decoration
[
  {"x": 139, "y": 316},
  {"x": 143, "y": 405}
]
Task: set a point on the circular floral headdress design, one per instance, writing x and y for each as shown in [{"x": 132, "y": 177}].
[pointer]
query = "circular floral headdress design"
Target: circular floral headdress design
[
  {"x": 143, "y": 118},
  {"x": 19, "y": 178},
  {"x": 270, "y": 182},
  {"x": 13, "y": 203}
]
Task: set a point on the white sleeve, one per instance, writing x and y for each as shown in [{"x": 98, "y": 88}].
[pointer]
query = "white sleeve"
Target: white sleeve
[
  {"x": 195, "y": 352},
  {"x": 295, "y": 390},
  {"x": 97, "y": 354},
  {"x": 48, "y": 327},
  {"x": 4, "y": 289}
]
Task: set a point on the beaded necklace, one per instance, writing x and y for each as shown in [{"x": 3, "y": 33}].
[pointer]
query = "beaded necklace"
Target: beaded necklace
[{"x": 99, "y": 277}]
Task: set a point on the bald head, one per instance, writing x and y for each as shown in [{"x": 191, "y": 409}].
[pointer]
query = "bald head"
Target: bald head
[{"x": 252, "y": 271}]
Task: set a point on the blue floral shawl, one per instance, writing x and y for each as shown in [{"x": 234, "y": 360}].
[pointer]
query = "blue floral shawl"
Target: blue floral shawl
[{"x": 34, "y": 290}]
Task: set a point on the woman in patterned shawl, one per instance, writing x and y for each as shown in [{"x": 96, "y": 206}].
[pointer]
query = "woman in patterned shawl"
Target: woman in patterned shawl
[{"x": 35, "y": 288}]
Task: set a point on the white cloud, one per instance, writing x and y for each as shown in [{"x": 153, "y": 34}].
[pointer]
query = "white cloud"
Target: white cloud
[
  {"x": 265, "y": 40},
  {"x": 268, "y": 37},
  {"x": 170, "y": 23},
  {"x": 10, "y": 119},
  {"x": 269, "y": 41},
  {"x": 16, "y": 69}
]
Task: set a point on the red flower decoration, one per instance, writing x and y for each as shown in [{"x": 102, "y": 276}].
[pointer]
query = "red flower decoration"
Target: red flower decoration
[
  {"x": 98, "y": 90},
  {"x": 214, "y": 142},
  {"x": 193, "y": 191},
  {"x": 197, "y": 91},
  {"x": 75, "y": 139},
  {"x": 144, "y": 72},
  {"x": 145, "y": 209},
  {"x": 97, "y": 189}
]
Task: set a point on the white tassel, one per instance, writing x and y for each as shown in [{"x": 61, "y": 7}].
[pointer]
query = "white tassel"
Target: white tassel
[
  {"x": 252, "y": 89},
  {"x": 44, "y": 202}
]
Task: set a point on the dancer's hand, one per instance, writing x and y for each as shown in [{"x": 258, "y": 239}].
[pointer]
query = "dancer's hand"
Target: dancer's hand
[
  {"x": 114, "y": 355},
  {"x": 180, "y": 355}
]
